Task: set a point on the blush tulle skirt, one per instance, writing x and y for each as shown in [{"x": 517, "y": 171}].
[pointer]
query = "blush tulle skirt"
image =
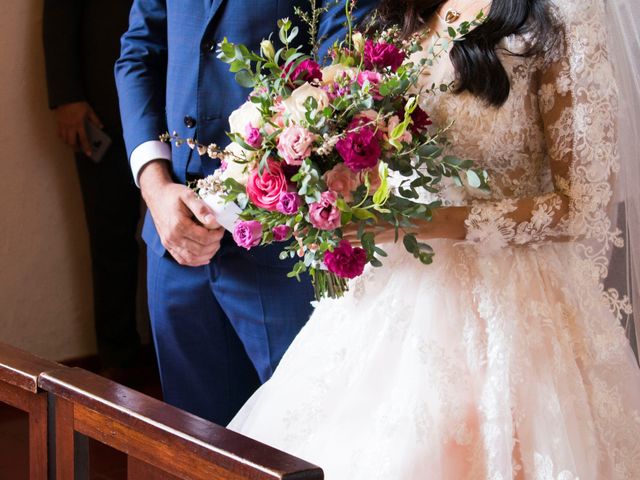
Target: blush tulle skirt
[{"x": 502, "y": 366}]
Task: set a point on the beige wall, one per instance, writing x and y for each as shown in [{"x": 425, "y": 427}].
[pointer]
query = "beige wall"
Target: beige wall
[{"x": 45, "y": 292}]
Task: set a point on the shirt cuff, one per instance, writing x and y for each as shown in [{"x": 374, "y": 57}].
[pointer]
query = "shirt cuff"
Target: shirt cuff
[{"x": 148, "y": 152}]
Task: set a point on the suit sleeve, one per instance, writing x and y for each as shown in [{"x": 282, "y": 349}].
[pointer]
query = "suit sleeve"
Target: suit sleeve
[
  {"x": 332, "y": 24},
  {"x": 141, "y": 73},
  {"x": 61, "y": 34}
]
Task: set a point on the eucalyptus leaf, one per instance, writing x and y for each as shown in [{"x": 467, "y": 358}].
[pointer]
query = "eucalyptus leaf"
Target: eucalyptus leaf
[
  {"x": 245, "y": 79},
  {"x": 410, "y": 243},
  {"x": 473, "y": 179}
]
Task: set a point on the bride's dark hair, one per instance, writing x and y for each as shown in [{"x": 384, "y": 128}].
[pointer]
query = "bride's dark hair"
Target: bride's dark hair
[{"x": 477, "y": 66}]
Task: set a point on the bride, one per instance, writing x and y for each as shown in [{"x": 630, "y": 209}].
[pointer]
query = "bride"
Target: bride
[{"x": 505, "y": 358}]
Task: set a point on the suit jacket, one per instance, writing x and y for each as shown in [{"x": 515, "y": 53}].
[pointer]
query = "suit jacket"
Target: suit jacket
[
  {"x": 81, "y": 45},
  {"x": 169, "y": 78}
]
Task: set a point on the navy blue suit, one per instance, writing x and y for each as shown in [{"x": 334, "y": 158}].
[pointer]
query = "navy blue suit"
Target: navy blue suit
[{"x": 219, "y": 330}]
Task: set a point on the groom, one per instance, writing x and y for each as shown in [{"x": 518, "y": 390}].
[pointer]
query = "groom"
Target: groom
[{"x": 222, "y": 317}]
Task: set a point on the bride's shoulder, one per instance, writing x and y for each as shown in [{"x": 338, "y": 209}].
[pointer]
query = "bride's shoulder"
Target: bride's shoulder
[
  {"x": 579, "y": 25},
  {"x": 572, "y": 14},
  {"x": 569, "y": 21}
]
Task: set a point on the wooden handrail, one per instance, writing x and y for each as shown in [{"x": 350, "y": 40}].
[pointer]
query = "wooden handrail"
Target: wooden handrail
[
  {"x": 160, "y": 440},
  {"x": 22, "y": 369},
  {"x": 19, "y": 373}
]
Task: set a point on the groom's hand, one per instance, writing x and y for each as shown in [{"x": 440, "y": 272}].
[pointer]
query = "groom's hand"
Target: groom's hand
[{"x": 186, "y": 225}]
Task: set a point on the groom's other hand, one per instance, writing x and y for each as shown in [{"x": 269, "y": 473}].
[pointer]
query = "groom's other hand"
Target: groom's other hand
[
  {"x": 71, "y": 118},
  {"x": 186, "y": 225}
]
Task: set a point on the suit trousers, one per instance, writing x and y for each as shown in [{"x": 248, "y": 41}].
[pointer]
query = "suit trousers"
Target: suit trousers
[
  {"x": 112, "y": 212},
  {"x": 220, "y": 330}
]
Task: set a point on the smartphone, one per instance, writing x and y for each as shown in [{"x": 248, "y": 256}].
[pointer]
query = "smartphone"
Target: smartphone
[{"x": 99, "y": 140}]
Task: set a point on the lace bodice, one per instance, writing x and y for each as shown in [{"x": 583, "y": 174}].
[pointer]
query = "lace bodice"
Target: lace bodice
[{"x": 550, "y": 150}]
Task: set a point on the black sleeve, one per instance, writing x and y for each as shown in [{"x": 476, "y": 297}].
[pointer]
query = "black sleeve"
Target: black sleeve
[{"x": 62, "y": 36}]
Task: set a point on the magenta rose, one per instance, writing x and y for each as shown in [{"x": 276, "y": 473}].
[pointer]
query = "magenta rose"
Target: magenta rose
[
  {"x": 374, "y": 79},
  {"x": 324, "y": 214},
  {"x": 306, "y": 71},
  {"x": 359, "y": 148},
  {"x": 264, "y": 189},
  {"x": 289, "y": 203},
  {"x": 281, "y": 233},
  {"x": 252, "y": 136},
  {"x": 294, "y": 144},
  {"x": 381, "y": 55},
  {"x": 346, "y": 261},
  {"x": 248, "y": 234},
  {"x": 419, "y": 120}
]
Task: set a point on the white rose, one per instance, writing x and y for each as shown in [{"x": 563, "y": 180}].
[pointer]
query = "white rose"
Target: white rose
[
  {"x": 247, "y": 113},
  {"x": 332, "y": 73},
  {"x": 234, "y": 158},
  {"x": 294, "y": 105}
]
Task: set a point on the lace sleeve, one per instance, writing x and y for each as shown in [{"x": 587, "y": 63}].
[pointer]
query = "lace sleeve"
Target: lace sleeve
[{"x": 577, "y": 106}]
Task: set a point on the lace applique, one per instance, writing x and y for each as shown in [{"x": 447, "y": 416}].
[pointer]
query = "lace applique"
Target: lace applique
[
  {"x": 490, "y": 226},
  {"x": 545, "y": 471}
]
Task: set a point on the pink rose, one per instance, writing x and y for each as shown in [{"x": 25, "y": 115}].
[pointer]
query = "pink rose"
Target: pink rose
[
  {"x": 342, "y": 180},
  {"x": 346, "y": 261},
  {"x": 359, "y": 148},
  {"x": 381, "y": 55},
  {"x": 281, "y": 233},
  {"x": 374, "y": 79},
  {"x": 306, "y": 71},
  {"x": 252, "y": 136},
  {"x": 289, "y": 203},
  {"x": 248, "y": 234},
  {"x": 324, "y": 214},
  {"x": 264, "y": 189},
  {"x": 294, "y": 144}
]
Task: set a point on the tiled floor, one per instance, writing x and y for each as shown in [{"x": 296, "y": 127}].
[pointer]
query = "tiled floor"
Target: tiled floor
[{"x": 105, "y": 463}]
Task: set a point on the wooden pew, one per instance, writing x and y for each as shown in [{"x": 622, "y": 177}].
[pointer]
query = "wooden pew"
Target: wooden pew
[
  {"x": 19, "y": 373},
  {"x": 162, "y": 442}
]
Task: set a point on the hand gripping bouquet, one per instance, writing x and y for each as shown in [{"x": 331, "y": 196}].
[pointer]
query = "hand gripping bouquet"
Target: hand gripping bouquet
[{"x": 317, "y": 151}]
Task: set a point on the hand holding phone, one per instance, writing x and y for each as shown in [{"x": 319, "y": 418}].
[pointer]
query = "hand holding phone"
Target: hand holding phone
[{"x": 99, "y": 140}]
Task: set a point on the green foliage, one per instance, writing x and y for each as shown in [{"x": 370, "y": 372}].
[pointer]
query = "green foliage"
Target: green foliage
[{"x": 413, "y": 163}]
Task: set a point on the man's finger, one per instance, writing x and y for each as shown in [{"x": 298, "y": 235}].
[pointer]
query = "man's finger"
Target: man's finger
[
  {"x": 186, "y": 258},
  {"x": 194, "y": 238},
  {"x": 202, "y": 235},
  {"x": 200, "y": 210},
  {"x": 84, "y": 140},
  {"x": 93, "y": 118},
  {"x": 70, "y": 138}
]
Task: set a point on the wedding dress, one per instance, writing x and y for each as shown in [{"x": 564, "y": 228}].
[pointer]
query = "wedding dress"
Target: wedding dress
[{"x": 505, "y": 358}]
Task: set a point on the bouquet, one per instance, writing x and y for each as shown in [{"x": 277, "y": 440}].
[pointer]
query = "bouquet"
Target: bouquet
[{"x": 318, "y": 151}]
